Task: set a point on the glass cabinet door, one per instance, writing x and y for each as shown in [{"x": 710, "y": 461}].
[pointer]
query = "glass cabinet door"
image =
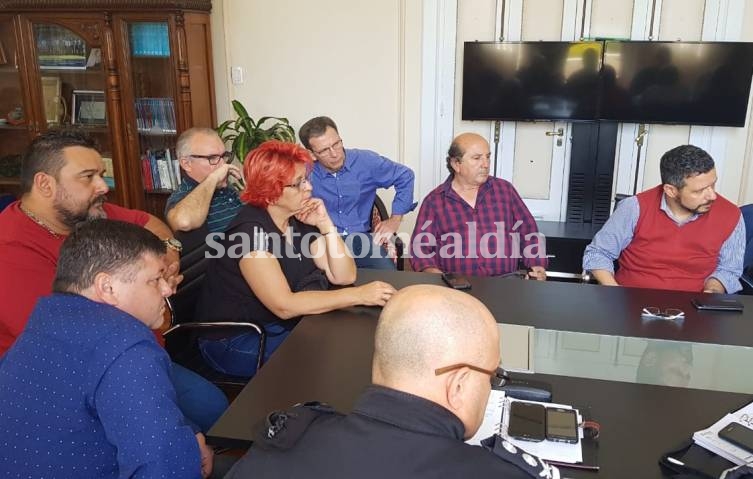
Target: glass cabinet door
[
  {"x": 15, "y": 134},
  {"x": 72, "y": 84},
  {"x": 154, "y": 94}
]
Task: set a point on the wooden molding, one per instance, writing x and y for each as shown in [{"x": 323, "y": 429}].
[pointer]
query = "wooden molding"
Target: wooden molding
[{"x": 201, "y": 5}]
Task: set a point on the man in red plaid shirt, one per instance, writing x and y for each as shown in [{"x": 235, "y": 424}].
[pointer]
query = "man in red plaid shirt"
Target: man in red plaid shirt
[{"x": 475, "y": 224}]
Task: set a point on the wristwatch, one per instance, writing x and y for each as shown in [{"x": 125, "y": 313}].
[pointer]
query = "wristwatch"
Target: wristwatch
[{"x": 173, "y": 244}]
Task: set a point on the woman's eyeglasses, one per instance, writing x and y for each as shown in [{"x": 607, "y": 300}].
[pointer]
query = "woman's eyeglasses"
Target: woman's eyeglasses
[
  {"x": 226, "y": 156},
  {"x": 299, "y": 184},
  {"x": 652, "y": 312}
]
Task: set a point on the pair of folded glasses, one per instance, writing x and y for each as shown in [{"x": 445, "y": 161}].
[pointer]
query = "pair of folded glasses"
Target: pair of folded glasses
[{"x": 652, "y": 312}]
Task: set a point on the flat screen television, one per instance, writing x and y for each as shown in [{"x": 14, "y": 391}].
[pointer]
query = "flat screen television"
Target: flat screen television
[
  {"x": 701, "y": 83},
  {"x": 531, "y": 80}
]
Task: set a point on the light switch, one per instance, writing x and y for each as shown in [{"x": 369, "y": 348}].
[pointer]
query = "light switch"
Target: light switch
[{"x": 236, "y": 75}]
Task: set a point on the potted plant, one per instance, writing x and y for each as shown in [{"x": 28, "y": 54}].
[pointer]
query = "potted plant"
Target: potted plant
[{"x": 244, "y": 133}]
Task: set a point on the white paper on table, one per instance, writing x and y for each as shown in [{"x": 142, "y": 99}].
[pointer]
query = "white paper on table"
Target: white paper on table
[
  {"x": 547, "y": 450},
  {"x": 709, "y": 438}
]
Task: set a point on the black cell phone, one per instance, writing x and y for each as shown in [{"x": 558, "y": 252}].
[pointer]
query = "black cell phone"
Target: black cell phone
[
  {"x": 561, "y": 425},
  {"x": 738, "y": 435},
  {"x": 456, "y": 281},
  {"x": 717, "y": 304},
  {"x": 527, "y": 421}
]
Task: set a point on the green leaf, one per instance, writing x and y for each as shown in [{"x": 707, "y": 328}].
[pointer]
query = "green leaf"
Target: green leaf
[
  {"x": 240, "y": 147},
  {"x": 245, "y": 134}
]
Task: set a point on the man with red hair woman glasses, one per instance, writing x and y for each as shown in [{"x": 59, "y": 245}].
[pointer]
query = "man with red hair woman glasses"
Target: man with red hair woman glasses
[{"x": 276, "y": 260}]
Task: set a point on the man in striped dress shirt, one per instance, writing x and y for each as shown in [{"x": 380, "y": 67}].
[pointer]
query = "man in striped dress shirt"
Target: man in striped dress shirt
[{"x": 204, "y": 195}]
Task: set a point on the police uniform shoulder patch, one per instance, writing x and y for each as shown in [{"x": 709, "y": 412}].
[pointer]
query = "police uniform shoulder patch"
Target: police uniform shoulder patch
[
  {"x": 531, "y": 465},
  {"x": 281, "y": 430}
]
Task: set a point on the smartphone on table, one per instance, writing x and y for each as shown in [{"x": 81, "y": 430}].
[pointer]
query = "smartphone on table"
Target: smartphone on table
[
  {"x": 456, "y": 281},
  {"x": 561, "y": 425},
  {"x": 737, "y": 435},
  {"x": 714, "y": 303},
  {"x": 527, "y": 421}
]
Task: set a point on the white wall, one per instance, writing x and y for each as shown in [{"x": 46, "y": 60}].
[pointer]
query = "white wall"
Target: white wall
[{"x": 359, "y": 61}]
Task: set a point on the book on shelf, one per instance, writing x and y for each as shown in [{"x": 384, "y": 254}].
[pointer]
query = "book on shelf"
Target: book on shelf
[
  {"x": 155, "y": 116},
  {"x": 160, "y": 170},
  {"x": 109, "y": 176},
  {"x": 59, "y": 48},
  {"x": 150, "y": 39}
]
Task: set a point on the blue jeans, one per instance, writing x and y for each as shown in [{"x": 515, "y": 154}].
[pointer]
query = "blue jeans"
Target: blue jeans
[
  {"x": 367, "y": 254},
  {"x": 238, "y": 355},
  {"x": 201, "y": 402}
]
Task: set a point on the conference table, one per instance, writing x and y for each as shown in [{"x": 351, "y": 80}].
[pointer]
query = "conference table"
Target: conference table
[{"x": 589, "y": 342}]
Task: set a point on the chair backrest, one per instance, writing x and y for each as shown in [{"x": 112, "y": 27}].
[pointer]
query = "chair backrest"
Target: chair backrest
[
  {"x": 747, "y": 212},
  {"x": 378, "y": 212},
  {"x": 193, "y": 267}
]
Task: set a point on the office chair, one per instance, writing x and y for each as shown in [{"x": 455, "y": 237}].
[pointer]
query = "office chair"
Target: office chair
[
  {"x": 747, "y": 278},
  {"x": 379, "y": 214},
  {"x": 182, "y": 338}
]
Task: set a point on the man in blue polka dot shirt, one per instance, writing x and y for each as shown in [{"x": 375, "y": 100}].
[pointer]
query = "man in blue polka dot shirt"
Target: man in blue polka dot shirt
[{"x": 85, "y": 390}]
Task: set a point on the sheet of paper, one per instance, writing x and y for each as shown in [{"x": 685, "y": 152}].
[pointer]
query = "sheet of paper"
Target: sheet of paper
[
  {"x": 496, "y": 420},
  {"x": 709, "y": 439},
  {"x": 547, "y": 450}
]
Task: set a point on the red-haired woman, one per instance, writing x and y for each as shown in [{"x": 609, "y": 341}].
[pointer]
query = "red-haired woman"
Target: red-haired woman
[{"x": 277, "y": 259}]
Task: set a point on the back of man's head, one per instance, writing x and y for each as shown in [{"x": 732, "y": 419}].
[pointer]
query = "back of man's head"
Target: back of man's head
[
  {"x": 102, "y": 246},
  {"x": 423, "y": 328},
  {"x": 315, "y": 127},
  {"x": 45, "y": 154},
  {"x": 682, "y": 162}
]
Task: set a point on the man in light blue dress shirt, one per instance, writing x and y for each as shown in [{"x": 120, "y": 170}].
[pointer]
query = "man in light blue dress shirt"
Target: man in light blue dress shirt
[{"x": 347, "y": 180}]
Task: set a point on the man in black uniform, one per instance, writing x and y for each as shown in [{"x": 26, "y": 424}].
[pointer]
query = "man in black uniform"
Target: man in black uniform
[{"x": 435, "y": 350}]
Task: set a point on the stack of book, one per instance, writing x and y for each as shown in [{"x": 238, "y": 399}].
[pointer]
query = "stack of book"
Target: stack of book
[
  {"x": 160, "y": 170},
  {"x": 709, "y": 438},
  {"x": 150, "y": 39},
  {"x": 58, "y": 48},
  {"x": 155, "y": 116}
]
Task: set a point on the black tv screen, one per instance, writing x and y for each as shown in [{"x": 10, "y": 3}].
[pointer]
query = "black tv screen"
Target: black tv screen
[
  {"x": 531, "y": 80},
  {"x": 702, "y": 83}
]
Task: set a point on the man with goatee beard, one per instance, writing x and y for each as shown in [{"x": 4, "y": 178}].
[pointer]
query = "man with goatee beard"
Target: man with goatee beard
[
  {"x": 679, "y": 235},
  {"x": 62, "y": 185}
]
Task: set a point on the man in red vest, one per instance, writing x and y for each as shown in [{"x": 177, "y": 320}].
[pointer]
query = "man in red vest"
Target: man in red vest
[{"x": 679, "y": 235}]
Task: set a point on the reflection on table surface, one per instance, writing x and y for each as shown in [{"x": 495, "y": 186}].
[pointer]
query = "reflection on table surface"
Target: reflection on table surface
[{"x": 637, "y": 360}]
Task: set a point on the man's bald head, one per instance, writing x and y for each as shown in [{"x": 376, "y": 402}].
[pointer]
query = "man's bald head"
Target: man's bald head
[
  {"x": 462, "y": 144},
  {"x": 426, "y": 327}
]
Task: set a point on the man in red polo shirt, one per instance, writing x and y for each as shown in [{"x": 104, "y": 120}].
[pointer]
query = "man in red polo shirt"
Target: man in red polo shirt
[
  {"x": 679, "y": 235},
  {"x": 62, "y": 186}
]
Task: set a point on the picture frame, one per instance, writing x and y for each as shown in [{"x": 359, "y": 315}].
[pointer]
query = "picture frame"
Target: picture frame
[{"x": 89, "y": 108}]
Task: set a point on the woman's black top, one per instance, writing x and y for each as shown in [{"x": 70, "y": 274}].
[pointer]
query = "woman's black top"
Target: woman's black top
[{"x": 226, "y": 296}]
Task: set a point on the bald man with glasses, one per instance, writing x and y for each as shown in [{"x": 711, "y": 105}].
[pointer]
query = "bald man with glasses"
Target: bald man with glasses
[
  {"x": 205, "y": 195},
  {"x": 436, "y": 357}
]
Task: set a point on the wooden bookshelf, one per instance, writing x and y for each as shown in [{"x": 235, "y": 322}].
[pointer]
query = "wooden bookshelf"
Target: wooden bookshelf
[{"x": 121, "y": 66}]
